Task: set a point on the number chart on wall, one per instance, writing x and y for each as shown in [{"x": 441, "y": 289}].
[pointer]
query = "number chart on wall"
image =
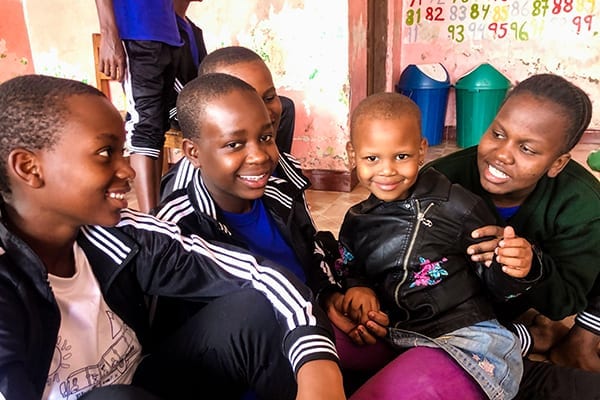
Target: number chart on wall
[{"x": 518, "y": 37}]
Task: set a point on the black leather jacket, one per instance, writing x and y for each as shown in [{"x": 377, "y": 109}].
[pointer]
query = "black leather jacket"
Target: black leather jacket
[{"x": 413, "y": 254}]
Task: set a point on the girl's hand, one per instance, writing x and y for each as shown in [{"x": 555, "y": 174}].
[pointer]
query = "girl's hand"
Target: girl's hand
[
  {"x": 484, "y": 251},
  {"x": 515, "y": 254}
]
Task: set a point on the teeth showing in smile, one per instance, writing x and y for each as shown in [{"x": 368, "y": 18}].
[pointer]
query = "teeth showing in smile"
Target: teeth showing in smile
[
  {"x": 252, "y": 177},
  {"x": 118, "y": 196},
  {"x": 497, "y": 173}
]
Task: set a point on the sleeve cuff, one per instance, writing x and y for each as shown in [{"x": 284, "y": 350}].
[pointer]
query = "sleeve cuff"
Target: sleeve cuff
[
  {"x": 588, "y": 321},
  {"x": 525, "y": 338},
  {"x": 312, "y": 348}
]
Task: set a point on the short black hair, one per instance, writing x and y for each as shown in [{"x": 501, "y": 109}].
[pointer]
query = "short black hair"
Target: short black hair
[
  {"x": 33, "y": 112},
  {"x": 575, "y": 103},
  {"x": 225, "y": 56},
  {"x": 198, "y": 93},
  {"x": 385, "y": 105}
]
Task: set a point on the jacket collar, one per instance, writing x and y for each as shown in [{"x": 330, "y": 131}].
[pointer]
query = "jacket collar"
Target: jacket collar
[
  {"x": 432, "y": 186},
  {"x": 279, "y": 192},
  {"x": 107, "y": 248}
]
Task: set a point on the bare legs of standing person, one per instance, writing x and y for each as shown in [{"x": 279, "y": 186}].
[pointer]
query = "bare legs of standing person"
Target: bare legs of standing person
[
  {"x": 150, "y": 94},
  {"x": 147, "y": 180}
]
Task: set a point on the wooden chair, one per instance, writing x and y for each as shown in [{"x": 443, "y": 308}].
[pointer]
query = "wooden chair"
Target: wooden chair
[{"x": 173, "y": 138}]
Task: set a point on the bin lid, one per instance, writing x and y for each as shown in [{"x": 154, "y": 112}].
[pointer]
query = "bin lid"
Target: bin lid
[
  {"x": 483, "y": 77},
  {"x": 424, "y": 76}
]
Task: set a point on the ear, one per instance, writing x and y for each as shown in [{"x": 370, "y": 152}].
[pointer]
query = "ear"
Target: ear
[
  {"x": 423, "y": 151},
  {"x": 25, "y": 167},
  {"x": 191, "y": 152},
  {"x": 558, "y": 165},
  {"x": 351, "y": 154}
]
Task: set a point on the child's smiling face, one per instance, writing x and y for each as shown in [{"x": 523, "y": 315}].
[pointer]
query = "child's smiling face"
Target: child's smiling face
[
  {"x": 387, "y": 153},
  {"x": 85, "y": 175},
  {"x": 236, "y": 151}
]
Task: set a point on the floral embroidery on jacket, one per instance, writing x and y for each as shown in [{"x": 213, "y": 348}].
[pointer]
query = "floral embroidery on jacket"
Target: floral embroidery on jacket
[
  {"x": 341, "y": 264},
  {"x": 431, "y": 273}
]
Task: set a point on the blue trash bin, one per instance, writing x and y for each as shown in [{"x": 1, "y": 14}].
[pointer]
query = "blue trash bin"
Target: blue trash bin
[{"x": 427, "y": 85}]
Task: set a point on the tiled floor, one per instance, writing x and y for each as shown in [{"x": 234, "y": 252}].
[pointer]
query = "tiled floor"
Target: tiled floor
[{"x": 328, "y": 208}]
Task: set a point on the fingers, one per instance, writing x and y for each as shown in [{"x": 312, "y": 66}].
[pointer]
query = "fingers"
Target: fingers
[
  {"x": 509, "y": 232},
  {"x": 515, "y": 255},
  {"x": 488, "y": 230},
  {"x": 377, "y": 323},
  {"x": 341, "y": 322},
  {"x": 379, "y": 318},
  {"x": 113, "y": 70},
  {"x": 376, "y": 329},
  {"x": 484, "y": 251},
  {"x": 361, "y": 336}
]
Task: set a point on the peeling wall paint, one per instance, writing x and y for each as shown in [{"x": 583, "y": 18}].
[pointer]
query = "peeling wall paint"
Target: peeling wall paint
[
  {"x": 305, "y": 45},
  {"x": 317, "y": 52}
]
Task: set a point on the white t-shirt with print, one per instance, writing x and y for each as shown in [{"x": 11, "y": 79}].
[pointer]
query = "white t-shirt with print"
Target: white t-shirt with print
[{"x": 94, "y": 346}]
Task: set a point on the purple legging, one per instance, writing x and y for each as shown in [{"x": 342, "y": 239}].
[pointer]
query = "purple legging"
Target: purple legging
[{"x": 421, "y": 373}]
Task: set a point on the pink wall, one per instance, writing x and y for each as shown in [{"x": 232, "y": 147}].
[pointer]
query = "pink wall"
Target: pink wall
[
  {"x": 316, "y": 52},
  {"x": 15, "y": 54},
  {"x": 317, "y": 49},
  {"x": 519, "y": 38}
]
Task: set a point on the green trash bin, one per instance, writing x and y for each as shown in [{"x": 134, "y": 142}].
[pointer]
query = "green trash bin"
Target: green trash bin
[{"x": 479, "y": 95}]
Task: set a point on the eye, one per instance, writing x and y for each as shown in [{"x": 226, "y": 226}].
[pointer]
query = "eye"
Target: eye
[
  {"x": 106, "y": 152},
  {"x": 401, "y": 156},
  {"x": 371, "y": 158},
  {"x": 233, "y": 145},
  {"x": 266, "y": 138},
  {"x": 268, "y": 99},
  {"x": 497, "y": 134},
  {"x": 528, "y": 150}
]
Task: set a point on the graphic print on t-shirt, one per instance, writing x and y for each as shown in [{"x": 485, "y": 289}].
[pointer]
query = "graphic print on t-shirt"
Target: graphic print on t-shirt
[{"x": 116, "y": 364}]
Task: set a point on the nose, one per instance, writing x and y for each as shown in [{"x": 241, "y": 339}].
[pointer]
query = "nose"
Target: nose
[
  {"x": 387, "y": 168},
  {"x": 504, "y": 153},
  {"x": 256, "y": 154},
  {"x": 124, "y": 169}
]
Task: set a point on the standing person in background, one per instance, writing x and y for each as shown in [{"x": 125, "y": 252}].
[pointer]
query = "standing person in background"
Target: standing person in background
[
  {"x": 192, "y": 52},
  {"x": 522, "y": 168},
  {"x": 140, "y": 46}
]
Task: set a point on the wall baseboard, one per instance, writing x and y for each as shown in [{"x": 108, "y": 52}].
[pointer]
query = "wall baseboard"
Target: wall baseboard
[
  {"x": 591, "y": 136},
  {"x": 335, "y": 181}
]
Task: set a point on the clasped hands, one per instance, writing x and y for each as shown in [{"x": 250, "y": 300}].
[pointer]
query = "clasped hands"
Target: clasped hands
[{"x": 363, "y": 328}]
